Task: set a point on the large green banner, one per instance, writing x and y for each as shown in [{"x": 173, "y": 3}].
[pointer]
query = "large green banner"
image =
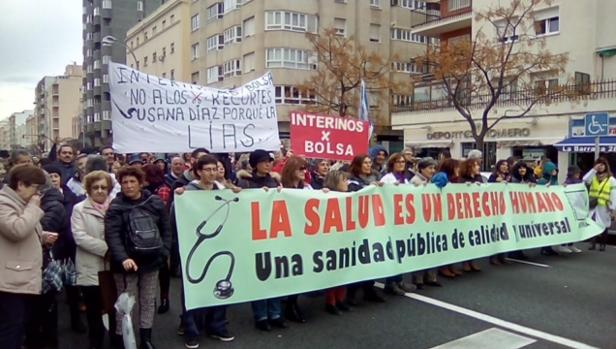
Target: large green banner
[{"x": 258, "y": 245}]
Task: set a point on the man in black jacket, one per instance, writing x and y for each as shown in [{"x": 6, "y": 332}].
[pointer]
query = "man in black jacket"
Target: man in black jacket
[{"x": 138, "y": 234}]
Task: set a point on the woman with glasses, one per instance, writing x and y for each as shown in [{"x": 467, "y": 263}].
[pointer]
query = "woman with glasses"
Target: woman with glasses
[
  {"x": 88, "y": 225},
  {"x": 21, "y": 254},
  {"x": 397, "y": 174}
]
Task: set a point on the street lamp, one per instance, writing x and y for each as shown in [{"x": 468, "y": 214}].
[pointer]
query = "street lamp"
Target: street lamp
[{"x": 109, "y": 40}]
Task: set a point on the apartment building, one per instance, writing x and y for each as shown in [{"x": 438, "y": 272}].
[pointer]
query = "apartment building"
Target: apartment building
[
  {"x": 17, "y": 129},
  {"x": 57, "y": 100},
  {"x": 103, "y": 19},
  {"x": 4, "y": 135},
  {"x": 160, "y": 42},
  {"x": 231, "y": 42},
  {"x": 581, "y": 29}
]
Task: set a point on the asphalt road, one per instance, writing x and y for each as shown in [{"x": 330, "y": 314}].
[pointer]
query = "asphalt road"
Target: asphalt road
[{"x": 567, "y": 302}]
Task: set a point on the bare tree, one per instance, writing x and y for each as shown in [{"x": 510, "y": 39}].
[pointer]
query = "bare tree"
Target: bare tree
[
  {"x": 497, "y": 66},
  {"x": 342, "y": 65}
]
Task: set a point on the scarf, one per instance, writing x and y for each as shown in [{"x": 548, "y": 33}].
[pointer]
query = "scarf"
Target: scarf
[
  {"x": 399, "y": 177},
  {"x": 102, "y": 208}
]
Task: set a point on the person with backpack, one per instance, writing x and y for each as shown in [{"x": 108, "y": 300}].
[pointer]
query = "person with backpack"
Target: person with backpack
[{"x": 138, "y": 235}]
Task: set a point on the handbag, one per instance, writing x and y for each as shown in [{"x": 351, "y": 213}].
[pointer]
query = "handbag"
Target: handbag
[{"x": 52, "y": 274}]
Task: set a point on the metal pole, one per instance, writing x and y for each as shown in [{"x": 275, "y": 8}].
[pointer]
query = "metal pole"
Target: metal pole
[{"x": 596, "y": 147}]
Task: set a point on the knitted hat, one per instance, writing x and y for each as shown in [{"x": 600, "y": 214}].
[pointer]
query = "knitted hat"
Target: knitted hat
[
  {"x": 426, "y": 162},
  {"x": 258, "y": 156}
]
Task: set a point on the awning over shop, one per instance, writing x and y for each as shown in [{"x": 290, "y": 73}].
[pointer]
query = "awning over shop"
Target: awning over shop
[{"x": 586, "y": 144}]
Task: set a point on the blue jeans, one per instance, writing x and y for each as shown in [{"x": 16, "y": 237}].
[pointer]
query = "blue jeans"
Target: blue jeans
[
  {"x": 267, "y": 309},
  {"x": 212, "y": 319}
]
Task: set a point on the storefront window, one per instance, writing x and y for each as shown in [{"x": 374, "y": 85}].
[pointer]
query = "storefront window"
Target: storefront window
[{"x": 489, "y": 154}]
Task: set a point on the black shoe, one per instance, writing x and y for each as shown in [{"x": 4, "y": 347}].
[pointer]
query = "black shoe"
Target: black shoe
[
  {"x": 279, "y": 322},
  {"x": 78, "y": 326},
  {"x": 372, "y": 295},
  {"x": 146, "y": 339},
  {"x": 394, "y": 289},
  {"x": 263, "y": 325},
  {"x": 548, "y": 251},
  {"x": 294, "y": 313},
  {"x": 191, "y": 343},
  {"x": 343, "y": 306},
  {"x": 419, "y": 286},
  {"x": 434, "y": 283},
  {"x": 332, "y": 309},
  {"x": 222, "y": 335},
  {"x": 116, "y": 341},
  {"x": 406, "y": 287},
  {"x": 164, "y": 306}
]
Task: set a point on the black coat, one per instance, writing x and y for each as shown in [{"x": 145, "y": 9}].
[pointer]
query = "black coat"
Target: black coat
[
  {"x": 116, "y": 230},
  {"x": 257, "y": 182}
]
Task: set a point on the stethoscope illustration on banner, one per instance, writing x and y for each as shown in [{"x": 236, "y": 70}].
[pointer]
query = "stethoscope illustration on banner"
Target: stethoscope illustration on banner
[{"x": 224, "y": 288}]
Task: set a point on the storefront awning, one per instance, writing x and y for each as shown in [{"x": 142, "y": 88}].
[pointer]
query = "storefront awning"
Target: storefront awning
[{"x": 586, "y": 144}]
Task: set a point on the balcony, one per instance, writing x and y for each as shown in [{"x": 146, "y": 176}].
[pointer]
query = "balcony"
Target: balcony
[
  {"x": 456, "y": 15},
  {"x": 570, "y": 93}
]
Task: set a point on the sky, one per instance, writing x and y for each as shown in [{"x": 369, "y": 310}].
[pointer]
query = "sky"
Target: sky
[{"x": 37, "y": 38}]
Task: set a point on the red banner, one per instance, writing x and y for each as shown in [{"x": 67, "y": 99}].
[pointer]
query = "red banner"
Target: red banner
[{"x": 328, "y": 137}]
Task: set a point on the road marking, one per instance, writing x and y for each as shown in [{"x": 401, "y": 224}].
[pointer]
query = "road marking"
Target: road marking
[
  {"x": 527, "y": 262},
  {"x": 502, "y": 323},
  {"x": 489, "y": 339}
]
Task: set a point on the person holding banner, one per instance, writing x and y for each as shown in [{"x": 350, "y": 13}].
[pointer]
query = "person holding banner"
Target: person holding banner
[
  {"x": 470, "y": 172},
  {"x": 397, "y": 174},
  {"x": 320, "y": 170},
  {"x": 362, "y": 175},
  {"x": 602, "y": 199},
  {"x": 335, "y": 297},
  {"x": 215, "y": 318},
  {"x": 267, "y": 312},
  {"x": 292, "y": 177},
  {"x": 138, "y": 235},
  {"x": 426, "y": 168},
  {"x": 451, "y": 169}
]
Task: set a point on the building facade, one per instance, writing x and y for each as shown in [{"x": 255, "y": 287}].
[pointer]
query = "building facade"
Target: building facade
[
  {"x": 17, "y": 129},
  {"x": 581, "y": 29},
  {"x": 232, "y": 42},
  {"x": 160, "y": 42},
  {"x": 4, "y": 135},
  {"x": 101, "y": 19},
  {"x": 57, "y": 100}
]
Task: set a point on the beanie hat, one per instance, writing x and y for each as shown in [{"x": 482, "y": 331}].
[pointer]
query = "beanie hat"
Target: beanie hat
[
  {"x": 53, "y": 168},
  {"x": 426, "y": 162},
  {"x": 258, "y": 156}
]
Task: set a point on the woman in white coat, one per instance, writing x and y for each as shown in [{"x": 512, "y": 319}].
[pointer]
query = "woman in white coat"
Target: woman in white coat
[{"x": 88, "y": 228}]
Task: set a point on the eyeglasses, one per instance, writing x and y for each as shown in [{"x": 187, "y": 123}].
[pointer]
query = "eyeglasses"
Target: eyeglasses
[
  {"x": 401, "y": 162},
  {"x": 99, "y": 187}
]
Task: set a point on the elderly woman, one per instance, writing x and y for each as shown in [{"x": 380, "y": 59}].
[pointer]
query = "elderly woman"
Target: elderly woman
[
  {"x": 21, "y": 255},
  {"x": 88, "y": 225}
]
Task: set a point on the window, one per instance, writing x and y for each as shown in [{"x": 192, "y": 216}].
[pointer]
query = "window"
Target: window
[
  {"x": 454, "y": 5},
  {"x": 105, "y": 78},
  {"x": 543, "y": 87},
  {"x": 294, "y": 21},
  {"x": 106, "y": 59},
  {"x": 145, "y": 61},
  {"x": 194, "y": 22},
  {"x": 164, "y": 53},
  {"x": 172, "y": 74},
  {"x": 504, "y": 31},
  {"x": 106, "y": 4},
  {"x": 249, "y": 27},
  {"x": 401, "y": 100},
  {"x": 405, "y": 35},
  {"x": 97, "y": 11},
  {"x": 582, "y": 83},
  {"x": 154, "y": 57},
  {"x": 164, "y": 23},
  {"x": 232, "y": 68},
  {"x": 230, "y": 5},
  {"x": 547, "y": 26},
  {"x": 194, "y": 78},
  {"x": 215, "y": 11},
  {"x": 145, "y": 36},
  {"x": 403, "y": 67},
  {"x": 292, "y": 95},
  {"x": 412, "y": 4},
  {"x": 172, "y": 48},
  {"x": 214, "y": 74},
  {"x": 194, "y": 50},
  {"x": 139, "y": 5},
  {"x": 215, "y": 42},
  {"x": 97, "y": 64},
  {"x": 375, "y": 3},
  {"x": 106, "y": 115},
  {"x": 164, "y": 75},
  {"x": 171, "y": 18},
  {"x": 375, "y": 33},
  {"x": 340, "y": 26},
  {"x": 249, "y": 62},
  {"x": 97, "y": 82},
  {"x": 233, "y": 34},
  {"x": 137, "y": 41},
  {"x": 292, "y": 58}
]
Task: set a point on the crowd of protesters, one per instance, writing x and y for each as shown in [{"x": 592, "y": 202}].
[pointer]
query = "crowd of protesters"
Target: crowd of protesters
[{"x": 108, "y": 212}]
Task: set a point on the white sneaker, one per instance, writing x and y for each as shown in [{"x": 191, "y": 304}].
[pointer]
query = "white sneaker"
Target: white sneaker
[
  {"x": 575, "y": 249},
  {"x": 563, "y": 249}
]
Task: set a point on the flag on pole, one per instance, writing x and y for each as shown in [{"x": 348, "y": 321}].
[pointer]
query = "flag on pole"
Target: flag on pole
[{"x": 363, "y": 107}]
